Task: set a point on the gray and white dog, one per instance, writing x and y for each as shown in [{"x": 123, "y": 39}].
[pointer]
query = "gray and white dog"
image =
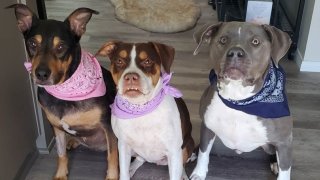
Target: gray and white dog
[{"x": 245, "y": 105}]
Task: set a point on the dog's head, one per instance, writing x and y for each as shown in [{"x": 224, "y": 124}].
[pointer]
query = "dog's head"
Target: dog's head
[
  {"x": 136, "y": 67},
  {"x": 241, "y": 52},
  {"x": 53, "y": 46}
]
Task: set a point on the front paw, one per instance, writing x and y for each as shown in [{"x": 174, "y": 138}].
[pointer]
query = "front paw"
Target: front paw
[
  {"x": 198, "y": 174},
  {"x": 197, "y": 177}
]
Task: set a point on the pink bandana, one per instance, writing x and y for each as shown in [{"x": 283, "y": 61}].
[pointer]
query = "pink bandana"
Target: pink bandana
[
  {"x": 86, "y": 82},
  {"x": 122, "y": 108}
]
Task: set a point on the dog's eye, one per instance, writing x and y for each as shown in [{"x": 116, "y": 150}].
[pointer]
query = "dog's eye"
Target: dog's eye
[
  {"x": 119, "y": 62},
  {"x": 147, "y": 62},
  {"x": 32, "y": 44},
  {"x": 223, "y": 40},
  {"x": 60, "y": 47},
  {"x": 255, "y": 41}
]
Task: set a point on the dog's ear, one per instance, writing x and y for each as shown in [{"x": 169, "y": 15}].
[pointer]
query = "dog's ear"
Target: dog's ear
[
  {"x": 107, "y": 49},
  {"x": 166, "y": 54},
  {"x": 78, "y": 20},
  {"x": 25, "y": 17},
  {"x": 280, "y": 43},
  {"x": 205, "y": 34}
]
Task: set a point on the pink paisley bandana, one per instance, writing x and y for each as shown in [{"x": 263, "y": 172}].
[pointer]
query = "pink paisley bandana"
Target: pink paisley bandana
[
  {"x": 122, "y": 108},
  {"x": 86, "y": 82}
]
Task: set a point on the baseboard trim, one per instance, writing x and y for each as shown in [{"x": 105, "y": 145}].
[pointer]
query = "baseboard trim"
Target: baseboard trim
[
  {"x": 27, "y": 164},
  {"x": 306, "y": 65}
]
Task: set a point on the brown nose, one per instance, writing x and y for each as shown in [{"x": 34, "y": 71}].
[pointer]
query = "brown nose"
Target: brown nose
[
  {"x": 131, "y": 77},
  {"x": 236, "y": 52}
]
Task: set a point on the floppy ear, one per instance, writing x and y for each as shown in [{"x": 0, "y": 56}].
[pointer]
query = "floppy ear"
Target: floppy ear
[
  {"x": 107, "y": 49},
  {"x": 78, "y": 20},
  {"x": 280, "y": 43},
  {"x": 166, "y": 54},
  {"x": 204, "y": 34},
  {"x": 25, "y": 17}
]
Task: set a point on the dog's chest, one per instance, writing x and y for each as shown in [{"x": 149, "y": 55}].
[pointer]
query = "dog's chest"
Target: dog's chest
[
  {"x": 236, "y": 129},
  {"x": 152, "y": 135}
]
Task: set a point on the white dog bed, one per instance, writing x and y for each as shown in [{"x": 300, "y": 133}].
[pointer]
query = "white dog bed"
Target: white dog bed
[{"x": 166, "y": 16}]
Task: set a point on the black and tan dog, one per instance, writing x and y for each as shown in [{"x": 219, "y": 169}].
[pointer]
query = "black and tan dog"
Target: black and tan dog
[{"x": 73, "y": 90}]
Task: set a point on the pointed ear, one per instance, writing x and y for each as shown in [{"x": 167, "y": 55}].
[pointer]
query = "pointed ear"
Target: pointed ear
[
  {"x": 280, "y": 43},
  {"x": 78, "y": 20},
  {"x": 107, "y": 49},
  {"x": 166, "y": 54},
  {"x": 25, "y": 17},
  {"x": 204, "y": 34}
]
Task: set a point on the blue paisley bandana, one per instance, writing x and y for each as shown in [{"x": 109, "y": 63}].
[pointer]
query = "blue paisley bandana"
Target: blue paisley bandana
[{"x": 269, "y": 102}]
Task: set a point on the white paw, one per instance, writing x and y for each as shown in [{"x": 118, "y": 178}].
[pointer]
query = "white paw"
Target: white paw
[
  {"x": 197, "y": 177},
  {"x": 66, "y": 127},
  {"x": 274, "y": 168}
]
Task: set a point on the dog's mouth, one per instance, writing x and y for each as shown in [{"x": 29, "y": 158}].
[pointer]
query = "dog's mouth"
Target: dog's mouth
[
  {"x": 132, "y": 92},
  {"x": 233, "y": 73}
]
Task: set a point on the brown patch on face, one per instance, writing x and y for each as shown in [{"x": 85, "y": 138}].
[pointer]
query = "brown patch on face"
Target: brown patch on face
[
  {"x": 56, "y": 41},
  {"x": 38, "y": 38},
  {"x": 60, "y": 67},
  {"x": 123, "y": 54},
  {"x": 143, "y": 55},
  {"x": 155, "y": 78}
]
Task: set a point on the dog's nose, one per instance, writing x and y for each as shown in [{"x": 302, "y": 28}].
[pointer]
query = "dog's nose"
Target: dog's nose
[
  {"x": 131, "y": 77},
  {"x": 236, "y": 52},
  {"x": 42, "y": 73}
]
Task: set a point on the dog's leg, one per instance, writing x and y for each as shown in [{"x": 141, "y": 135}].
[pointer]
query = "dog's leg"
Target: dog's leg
[
  {"x": 175, "y": 163},
  {"x": 207, "y": 138},
  {"x": 284, "y": 157},
  {"x": 271, "y": 150},
  {"x": 124, "y": 160},
  {"x": 138, "y": 161},
  {"x": 61, "y": 143},
  {"x": 112, "y": 156}
]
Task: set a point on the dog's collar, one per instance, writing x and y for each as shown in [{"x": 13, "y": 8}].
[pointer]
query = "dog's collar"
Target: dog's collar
[
  {"x": 123, "y": 109},
  {"x": 86, "y": 82},
  {"x": 269, "y": 102}
]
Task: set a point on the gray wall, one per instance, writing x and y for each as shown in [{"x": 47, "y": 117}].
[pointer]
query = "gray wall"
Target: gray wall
[{"x": 18, "y": 130}]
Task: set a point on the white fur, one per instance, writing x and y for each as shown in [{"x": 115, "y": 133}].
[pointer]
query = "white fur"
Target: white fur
[
  {"x": 201, "y": 169},
  {"x": 155, "y": 137},
  {"x": 283, "y": 175},
  {"x": 236, "y": 129},
  {"x": 146, "y": 82},
  {"x": 66, "y": 127},
  {"x": 234, "y": 90},
  {"x": 61, "y": 144}
]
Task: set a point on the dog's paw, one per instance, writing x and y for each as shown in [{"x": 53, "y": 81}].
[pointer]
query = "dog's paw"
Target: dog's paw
[
  {"x": 197, "y": 177},
  {"x": 274, "y": 168}
]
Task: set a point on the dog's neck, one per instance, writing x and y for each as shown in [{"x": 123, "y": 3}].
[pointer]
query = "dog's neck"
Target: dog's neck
[{"x": 124, "y": 109}]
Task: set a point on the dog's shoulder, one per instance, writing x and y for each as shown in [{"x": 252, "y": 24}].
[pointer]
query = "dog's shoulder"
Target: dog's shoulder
[{"x": 206, "y": 98}]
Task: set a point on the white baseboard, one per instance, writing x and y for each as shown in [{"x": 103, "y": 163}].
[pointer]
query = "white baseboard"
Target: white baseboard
[{"x": 307, "y": 65}]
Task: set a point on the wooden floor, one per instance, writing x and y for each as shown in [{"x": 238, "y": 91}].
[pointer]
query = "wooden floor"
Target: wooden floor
[{"x": 190, "y": 77}]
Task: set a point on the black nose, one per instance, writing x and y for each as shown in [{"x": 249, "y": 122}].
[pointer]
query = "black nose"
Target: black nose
[
  {"x": 43, "y": 73},
  {"x": 236, "y": 52}
]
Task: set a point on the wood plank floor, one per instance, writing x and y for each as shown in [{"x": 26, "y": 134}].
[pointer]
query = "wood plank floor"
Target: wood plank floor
[{"x": 191, "y": 77}]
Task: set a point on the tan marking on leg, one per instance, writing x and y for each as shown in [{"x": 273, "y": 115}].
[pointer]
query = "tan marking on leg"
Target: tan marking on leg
[
  {"x": 62, "y": 169},
  {"x": 112, "y": 156}
]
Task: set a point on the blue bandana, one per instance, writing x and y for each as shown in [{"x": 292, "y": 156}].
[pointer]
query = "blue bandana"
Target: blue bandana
[{"x": 269, "y": 102}]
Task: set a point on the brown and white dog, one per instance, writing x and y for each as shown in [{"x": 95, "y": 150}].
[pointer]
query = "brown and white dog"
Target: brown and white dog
[
  {"x": 160, "y": 135},
  {"x": 245, "y": 105},
  {"x": 71, "y": 85}
]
